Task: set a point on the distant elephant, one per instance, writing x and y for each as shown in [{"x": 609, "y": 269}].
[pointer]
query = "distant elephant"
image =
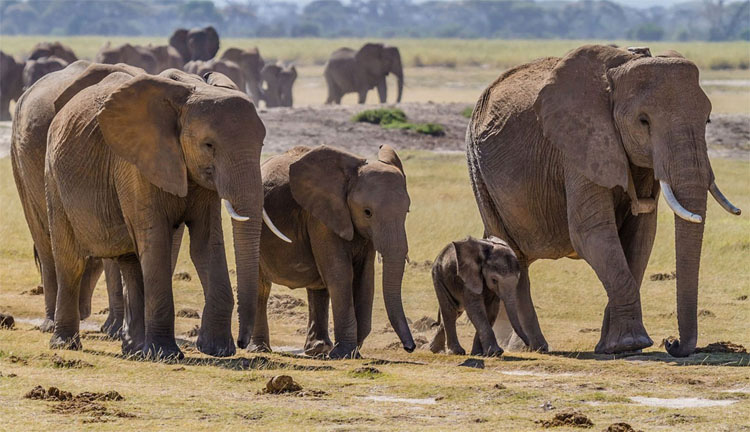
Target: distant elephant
[
  {"x": 251, "y": 64},
  {"x": 11, "y": 83},
  {"x": 349, "y": 71},
  {"x": 134, "y": 55},
  {"x": 167, "y": 57},
  {"x": 225, "y": 67},
  {"x": 196, "y": 44},
  {"x": 567, "y": 157},
  {"x": 477, "y": 276},
  {"x": 129, "y": 159},
  {"x": 279, "y": 80},
  {"x": 339, "y": 210},
  {"x": 52, "y": 49},
  {"x": 35, "y": 69}
]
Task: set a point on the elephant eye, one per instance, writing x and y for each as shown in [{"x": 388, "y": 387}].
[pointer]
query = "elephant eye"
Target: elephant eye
[
  {"x": 208, "y": 145},
  {"x": 368, "y": 213},
  {"x": 644, "y": 120}
]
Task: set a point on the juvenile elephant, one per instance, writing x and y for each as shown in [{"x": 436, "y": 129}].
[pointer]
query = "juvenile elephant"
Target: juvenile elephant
[
  {"x": 339, "y": 210},
  {"x": 224, "y": 67},
  {"x": 134, "y": 55},
  {"x": 35, "y": 69},
  {"x": 52, "y": 49},
  {"x": 279, "y": 80},
  {"x": 349, "y": 71},
  {"x": 567, "y": 157},
  {"x": 476, "y": 276},
  {"x": 251, "y": 64},
  {"x": 11, "y": 83},
  {"x": 195, "y": 44},
  {"x": 128, "y": 160}
]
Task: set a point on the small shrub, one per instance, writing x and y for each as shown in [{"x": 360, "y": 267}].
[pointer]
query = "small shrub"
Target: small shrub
[
  {"x": 467, "y": 112},
  {"x": 394, "y": 118}
]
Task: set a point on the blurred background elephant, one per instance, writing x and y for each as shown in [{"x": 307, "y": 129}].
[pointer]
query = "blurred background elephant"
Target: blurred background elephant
[
  {"x": 11, "y": 83},
  {"x": 52, "y": 49},
  {"x": 35, "y": 69},
  {"x": 567, "y": 157},
  {"x": 195, "y": 44},
  {"x": 134, "y": 55},
  {"x": 166, "y": 57},
  {"x": 349, "y": 71},
  {"x": 251, "y": 63},
  {"x": 278, "y": 81},
  {"x": 339, "y": 210},
  {"x": 227, "y": 68}
]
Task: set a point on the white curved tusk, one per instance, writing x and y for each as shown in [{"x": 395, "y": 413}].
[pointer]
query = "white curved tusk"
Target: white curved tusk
[
  {"x": 722, "y": 200},
  {"x": 233, "y": 213},
  {"x": 273, "y": 228},
  {"x": 675, "y": 205}
]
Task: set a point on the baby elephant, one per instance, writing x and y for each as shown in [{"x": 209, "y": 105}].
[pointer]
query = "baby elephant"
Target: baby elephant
[{"x": 475, "y": 275}]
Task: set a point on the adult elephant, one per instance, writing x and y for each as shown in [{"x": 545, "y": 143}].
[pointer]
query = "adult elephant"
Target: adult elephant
[
  {"x": 251, "y": 64},
  {"x": 225, "y": 67},
  {"x": 11, "y": 83},
  {"x": 35, "y": 69},
  {"x": 349, "y": 71},
  {"x": 166, "y": 56},
  {"x": 567, "y": 157},
  {"x": 339, "y": 210},
  {"x": 196, "y": 44},
  {"x": 128, "y": 160},
  {"x": 52, "y": 49},
  {"x": 134, "y": 55},
  {"x": 279, "y": 80}
]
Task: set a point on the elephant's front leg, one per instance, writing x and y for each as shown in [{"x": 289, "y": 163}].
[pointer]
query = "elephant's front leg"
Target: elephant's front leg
[
  {"x": 449, "y": 312},
  {"x": 382, "y": 90},
  {"x": 364, "y": 291},
  {"x": 477, "y": 312},
  {"x": 261, "y": 334},
  {"x": 318, "y": 341},
  {"x": 133, "y": 331},
  {"x": 594, "y": 235},
  {"x": 113, "y": 323}
]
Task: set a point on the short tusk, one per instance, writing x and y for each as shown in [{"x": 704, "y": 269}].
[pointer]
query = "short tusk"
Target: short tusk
[
  {"x": 675, "y": 205},
  {"x": 722, "y": 200},
  {"x": 273, "y": 228},
  {"x": 408, "y": 261},
  {"x": 233, "y": 213}
]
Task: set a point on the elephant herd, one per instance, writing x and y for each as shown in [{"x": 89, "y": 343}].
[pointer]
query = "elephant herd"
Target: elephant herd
[{"x": 566, "y": 157}]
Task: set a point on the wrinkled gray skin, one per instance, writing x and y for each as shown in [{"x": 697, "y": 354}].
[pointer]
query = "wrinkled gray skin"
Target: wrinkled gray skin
[
  {"x": 338, "y": 209},
  {"x": 195, "y": 44},
  {"x": 251, "y": 64},
  {"x": 11, "y": 83},
  {"x": 153, "y": 165},
  {"x": 349, "y": 71},
  {"x": 134, "y": 55},
  {"x": 52, "y": 49},
  {"x": 279, "y": 80},
  {"x": 566, "y": 156},
  {"x": 35, "y": 69},
  {"x": 476, "y": 276},
  {"x": 224, "y": 67}
]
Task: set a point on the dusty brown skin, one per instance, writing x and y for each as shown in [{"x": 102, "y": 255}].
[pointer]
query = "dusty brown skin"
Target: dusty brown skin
[
  {"x": 154, "y": 152},
  {"x": 279, "y": 80},
  {"x": 338, "y": 209},
  {"x": 349, "y": 71},
  {"x": 224, "y": 67},
  {"x": 134, "y": 55},
  {"x": 35, "y": 69},
  {"x": 52, "y": 49},
  {"x": 195, "y": 44},
  {"x": 564, "y": 156},
  {"x": 251, "y": 64},
  {"x": 167, "y": 57},
  {"x": 11, "y": 83},
  {"x": 476, "y": 276}
]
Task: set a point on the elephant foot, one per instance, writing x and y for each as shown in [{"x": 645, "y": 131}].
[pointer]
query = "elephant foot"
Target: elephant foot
[
  {"x": 456, "y": 350},
  {"x": 494, "y": 351},
  {"x": 162, "y": 350},
  {"x": 318, "y": 347},
  {"x": 258, "y": 346},
  {"x": 68, "y": 342},
  {"x": 47, "y": 326},
  {"x": 539, "y": 347},
  {"x": 112, "y": 327},
  {"x": 222, "y": 346},
  {"x": 243, "y": 339},
  {"x": 624, "y": 335},
  {"x": 84, "y": 310},
  {"x": 344, "y": 351}
]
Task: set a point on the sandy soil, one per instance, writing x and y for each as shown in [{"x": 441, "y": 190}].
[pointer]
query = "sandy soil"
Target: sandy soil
[{"x": 728, "y": 135}]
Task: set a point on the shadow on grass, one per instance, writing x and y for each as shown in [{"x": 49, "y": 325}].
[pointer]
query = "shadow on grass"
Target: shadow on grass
[{"x": 704, "y": 359}]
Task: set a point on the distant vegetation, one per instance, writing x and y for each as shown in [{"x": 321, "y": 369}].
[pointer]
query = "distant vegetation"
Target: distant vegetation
[
  {"x": 394, "y": 118},
  {"x": 713, "y": 20}
]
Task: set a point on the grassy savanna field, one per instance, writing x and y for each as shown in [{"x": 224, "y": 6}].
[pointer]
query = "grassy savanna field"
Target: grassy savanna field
[
  {"x": 435, "y": 394},
  {"x": 459, "y": 69}
]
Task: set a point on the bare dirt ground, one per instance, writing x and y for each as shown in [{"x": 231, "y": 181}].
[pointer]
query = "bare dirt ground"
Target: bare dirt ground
[{"x": 727, "y": 136}]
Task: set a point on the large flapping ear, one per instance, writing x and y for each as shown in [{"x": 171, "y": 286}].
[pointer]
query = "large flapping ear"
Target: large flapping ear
[
  {"x": 218, "y": 79},
  {"x": 319, "y": 182},
  {"x": 140, "y": 122},
  {"x": 575, "y": 111},
  {"x": 181, "y": 76},
  {"x": 469, "y": 259},
  {"x": 371, "y": 56},
  {"x": 90, "y": 76},
  {"x": 388, "y": 155}
]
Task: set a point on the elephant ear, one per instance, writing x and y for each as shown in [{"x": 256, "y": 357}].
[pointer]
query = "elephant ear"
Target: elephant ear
[
  {"x": 139, "y": 121},
  {"x": 218, "y": 79},
  {"x": 91, "y": 76},
  {"x": 469, "y": 257},
  {"x": 319, "y": 182},
  {"x": 575, "y": 112},
  {"x": 371, "y": 56},
  {"x": 388, "y": 155}
]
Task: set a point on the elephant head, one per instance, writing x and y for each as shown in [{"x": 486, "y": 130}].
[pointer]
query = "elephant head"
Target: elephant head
[
  {"x": 491, "y": 263},
  {"x": 634, "y": 109},
  {"x": 166, "y": 56},
  {"x": 178, "y": 41},
  {"x": 35, "y": 69},
  {"x": 279, "y": 81},
  {"x": 227, "y": 68},
  {"x": 203, "y": 44},
  {"x": 352, "y": 196},
  {"x": 251, "y": 64},
  {"x": 129, "y": 54},
  {"x": 50, "y": 49},
  {"x": 11, "y": 83},
  {"x": 379, "y": 60}
]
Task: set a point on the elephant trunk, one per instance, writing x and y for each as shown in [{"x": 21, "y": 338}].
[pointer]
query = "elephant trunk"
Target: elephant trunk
[
  {"x": 398, "y": 70},
  {"x": 393, "y": 273},
  {"x": 511, "y": 308}
]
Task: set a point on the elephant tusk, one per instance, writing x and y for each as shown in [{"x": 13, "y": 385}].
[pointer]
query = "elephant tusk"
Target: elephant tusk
[
  {"x": 722, "y": 200},
  {"x": 233, "y": 213},
  {"x": 273, "y": 228},
  {"x": 675, "y": 205},
  {"x": 408, "y": 261}
]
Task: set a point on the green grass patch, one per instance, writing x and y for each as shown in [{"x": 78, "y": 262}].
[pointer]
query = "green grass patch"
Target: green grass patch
[
  {"x": 394, "y": 118},
  {"x": 468, "y": 111}
]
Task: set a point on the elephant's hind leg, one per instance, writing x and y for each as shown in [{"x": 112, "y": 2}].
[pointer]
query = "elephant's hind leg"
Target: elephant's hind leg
[
  {"x": 133, "y": 324},
  {"x": 91, "y": 275},
  {"x": 49, "y": 284},
  {"x": 318, "y": 340},
  {"x": 113, "y": 324},
  {"x": 261, "y": 335}
]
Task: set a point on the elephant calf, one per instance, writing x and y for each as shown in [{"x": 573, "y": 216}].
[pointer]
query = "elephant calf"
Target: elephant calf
[{"x": 475, "y": 275}]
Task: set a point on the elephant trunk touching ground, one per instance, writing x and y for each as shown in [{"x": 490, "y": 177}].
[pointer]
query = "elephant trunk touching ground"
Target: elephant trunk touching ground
[
  {"x": 398, "y": 70},
  {"x": 511, "y": 308}
]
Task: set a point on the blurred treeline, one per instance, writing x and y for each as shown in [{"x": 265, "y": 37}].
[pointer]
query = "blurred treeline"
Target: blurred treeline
[{"x": 713, "y": 20}]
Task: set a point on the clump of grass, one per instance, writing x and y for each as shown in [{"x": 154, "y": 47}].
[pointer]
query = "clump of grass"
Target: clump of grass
[
  {"x": 721, "y": 64},
  {"x": 468, "y": 111},
  {"x": 394, "y": 118}
]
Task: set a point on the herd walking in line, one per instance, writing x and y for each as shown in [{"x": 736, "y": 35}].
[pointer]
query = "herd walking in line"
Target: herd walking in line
[{"x": 566, "y": 157}]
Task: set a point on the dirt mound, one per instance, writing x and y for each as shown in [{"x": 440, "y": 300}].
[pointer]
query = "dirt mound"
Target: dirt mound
[
  {"x": 182, "y": 276},
  {"x": 424, "y": 324},
  {"x": 282, "y": 384},
  {"x": 663, "y": 276},
  {"x": 284, "y": 302},
  {"x": 62, "y": 363},
  {"x": 55, "y": 394},
  {"x": 722, "y": 347},
  {"x": 38, "y": 290},
  {"x": 366, "y": 372},
  {"x": 567, "y": 418},
  {"x": 620, "y": 427},
  {"x": 7, "y": 321},
  {"x": 188, "y": 313}
]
